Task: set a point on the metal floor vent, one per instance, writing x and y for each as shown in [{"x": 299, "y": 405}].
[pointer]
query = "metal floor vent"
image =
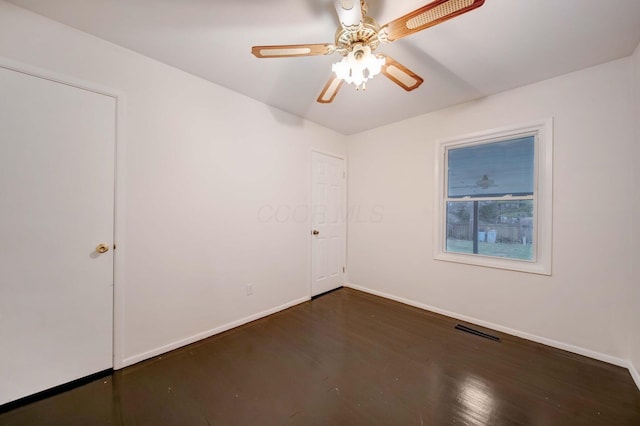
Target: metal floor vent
[{"x": 477, "y": 332}]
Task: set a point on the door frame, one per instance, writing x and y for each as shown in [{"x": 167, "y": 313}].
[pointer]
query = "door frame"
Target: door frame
[
  {"x": 119, "y": 188},
  {"x": 310, "y": 218}
]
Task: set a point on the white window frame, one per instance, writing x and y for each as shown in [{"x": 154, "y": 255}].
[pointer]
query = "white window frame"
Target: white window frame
[{"x": 543, "y": 196}]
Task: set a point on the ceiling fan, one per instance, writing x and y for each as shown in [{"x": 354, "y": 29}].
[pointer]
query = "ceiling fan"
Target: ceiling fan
[{"x": 360, "y": 35}]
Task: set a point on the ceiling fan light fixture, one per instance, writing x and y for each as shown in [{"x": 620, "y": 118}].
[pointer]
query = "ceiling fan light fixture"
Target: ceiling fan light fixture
[
  {"x": 359, "y": 35},
  {"x": 358, "y": 66}
]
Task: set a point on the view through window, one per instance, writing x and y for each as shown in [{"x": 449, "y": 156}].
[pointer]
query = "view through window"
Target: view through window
[{"x": 490, "y": 199}]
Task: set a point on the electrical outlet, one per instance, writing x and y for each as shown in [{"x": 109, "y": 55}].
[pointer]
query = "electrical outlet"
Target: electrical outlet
[{"x": 249, "y": 289}]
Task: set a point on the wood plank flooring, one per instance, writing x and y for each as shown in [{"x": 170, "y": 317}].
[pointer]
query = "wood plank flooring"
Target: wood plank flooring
[{"x": 350, "y": 358}]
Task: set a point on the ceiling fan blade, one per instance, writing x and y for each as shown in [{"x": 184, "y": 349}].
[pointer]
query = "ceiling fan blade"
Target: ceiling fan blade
[
  {"x": 427, "y": 16},
  {"x": 292, "y": 50},
  {"x": 349, "y": 13},
  {"x": 401, "y": 75},
  {"x": 330, "y": 90}
]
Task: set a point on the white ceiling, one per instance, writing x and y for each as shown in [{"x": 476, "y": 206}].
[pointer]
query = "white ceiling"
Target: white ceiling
[{"x": 502, "y": 45}]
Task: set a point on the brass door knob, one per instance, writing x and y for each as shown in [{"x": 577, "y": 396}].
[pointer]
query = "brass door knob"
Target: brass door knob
[
  {"x": 102, "y": 248},
  {"x": 315, "y": 232}
]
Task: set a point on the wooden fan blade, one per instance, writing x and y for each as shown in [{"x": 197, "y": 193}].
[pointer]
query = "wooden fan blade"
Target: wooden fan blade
[
  {"x": 349, "y": 13},
  {"x": 400, "y": 74},
  {"x": 292, "y": 50},
  {"x": 427, "y": 16},
  {"x": 330, "y": 90}
]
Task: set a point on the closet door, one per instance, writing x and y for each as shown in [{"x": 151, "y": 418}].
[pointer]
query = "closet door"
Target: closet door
[{"x": 57, "y": 149}]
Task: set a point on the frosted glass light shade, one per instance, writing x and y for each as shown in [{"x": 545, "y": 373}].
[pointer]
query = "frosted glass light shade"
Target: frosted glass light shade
[{"x": 358, "y": 66}]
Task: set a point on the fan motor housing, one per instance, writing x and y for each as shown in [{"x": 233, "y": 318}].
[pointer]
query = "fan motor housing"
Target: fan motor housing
[{"x": 366, "y": 34}]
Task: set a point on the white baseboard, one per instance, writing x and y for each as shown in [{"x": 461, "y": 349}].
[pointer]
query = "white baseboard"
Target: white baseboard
[
  {"x": 634, "y": 374},
  {"x": 192, "y": 339},
  {"x": 549, "y": 342}
]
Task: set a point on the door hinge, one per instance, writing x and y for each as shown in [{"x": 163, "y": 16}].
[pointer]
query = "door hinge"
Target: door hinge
[{"x": 343, "y": 269}]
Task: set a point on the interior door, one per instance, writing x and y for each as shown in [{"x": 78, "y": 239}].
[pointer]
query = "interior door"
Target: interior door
[
  {"x": 57, "y": 148},
  {"x": 328, "y": 234}
]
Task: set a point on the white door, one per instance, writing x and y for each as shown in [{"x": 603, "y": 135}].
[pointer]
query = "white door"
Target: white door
[
  {"x": 57, "y": 146},
  {"x": 328, "y": 235}
]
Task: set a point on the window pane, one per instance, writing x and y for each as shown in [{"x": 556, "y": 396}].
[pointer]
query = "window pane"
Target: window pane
[
  {"x": 492, "y": 169},
  {"x": 505, "y": 228},
  {"x": 460, "y": 226}
]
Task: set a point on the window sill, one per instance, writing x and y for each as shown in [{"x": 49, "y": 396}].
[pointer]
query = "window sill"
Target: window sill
[{"x": 495, "y": 262}]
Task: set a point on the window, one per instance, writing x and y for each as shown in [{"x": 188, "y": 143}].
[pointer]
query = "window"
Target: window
[{"x": 493, "y": 198}]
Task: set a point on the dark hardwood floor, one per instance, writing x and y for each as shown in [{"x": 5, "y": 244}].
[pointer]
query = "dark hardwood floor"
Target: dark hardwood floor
[{"x": 350, "y": 358}]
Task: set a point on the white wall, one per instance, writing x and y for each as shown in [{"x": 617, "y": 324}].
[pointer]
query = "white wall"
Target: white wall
[
  {"x": 635, "y": 294},
  {"x": 585, "y": 303},
  {"x": 201, "y": 162}
]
